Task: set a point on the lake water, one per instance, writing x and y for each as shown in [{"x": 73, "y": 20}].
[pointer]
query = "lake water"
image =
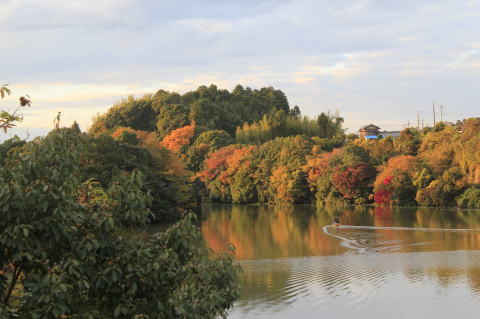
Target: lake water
[{"x": 381, "y": 263}]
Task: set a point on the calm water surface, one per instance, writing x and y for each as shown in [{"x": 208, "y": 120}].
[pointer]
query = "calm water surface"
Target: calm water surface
[{"x": 381, "y": 263}]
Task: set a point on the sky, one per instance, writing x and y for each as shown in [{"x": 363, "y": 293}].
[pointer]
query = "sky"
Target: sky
[{"x": 374, "y": 61}]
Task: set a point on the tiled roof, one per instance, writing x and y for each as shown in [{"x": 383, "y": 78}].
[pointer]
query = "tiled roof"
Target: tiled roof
[{"x": 369, "y": 126}]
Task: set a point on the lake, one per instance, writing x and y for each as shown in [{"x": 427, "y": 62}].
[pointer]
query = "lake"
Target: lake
[{"x": 382, "y": 262}]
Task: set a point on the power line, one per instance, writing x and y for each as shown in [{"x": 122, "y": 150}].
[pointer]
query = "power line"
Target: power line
[{"x": 441, "y": 112}]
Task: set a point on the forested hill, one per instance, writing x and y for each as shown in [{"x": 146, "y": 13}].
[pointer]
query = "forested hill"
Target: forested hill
[
  {"x": 248, "y": 146},
  {"x": 209, "y": 107}
]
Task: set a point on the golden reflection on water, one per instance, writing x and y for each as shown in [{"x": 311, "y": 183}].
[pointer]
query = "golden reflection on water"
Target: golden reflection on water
[
  {"x": 273, "y": 232},
  {"x": 293, "y": 266}
]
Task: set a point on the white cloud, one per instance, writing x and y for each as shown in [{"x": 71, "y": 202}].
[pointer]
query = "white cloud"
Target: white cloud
[{"x": 373, "y": 60}]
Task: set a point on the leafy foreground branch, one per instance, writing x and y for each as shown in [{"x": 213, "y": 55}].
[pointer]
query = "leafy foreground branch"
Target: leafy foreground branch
[
  {"x": 66, "y": 250},
  {"x": 8, "y": 119}
]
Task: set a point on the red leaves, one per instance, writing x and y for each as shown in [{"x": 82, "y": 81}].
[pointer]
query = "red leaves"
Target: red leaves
[
  {"x": 387, "y": 180},
  {"x": 225, "y": 161},
  {"x": 354, "y": 181},
  {"x": 383, "y": 197}
]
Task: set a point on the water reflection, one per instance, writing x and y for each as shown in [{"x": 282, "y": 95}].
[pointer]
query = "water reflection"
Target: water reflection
[
  {"x": 293, "y": 268},
  {"x": 272, "y": 232}
]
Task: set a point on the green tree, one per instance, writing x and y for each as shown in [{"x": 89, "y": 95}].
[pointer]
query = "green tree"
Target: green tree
[
  {"x": 204, "y": 144},
  {"x": 134, "y": 113},
  {"x": 66, "y": 252},
  {"x": 129, "y": 138},
  {"x": 104, "y": 159},
  {"x": 470, "y": 198},
  {"x": 330, "y": 125},
  {"x": 408, "y": 142},
  {"x": 8, "y": 145}
]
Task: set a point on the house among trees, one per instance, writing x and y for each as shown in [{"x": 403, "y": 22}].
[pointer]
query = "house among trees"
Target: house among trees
[{"x": 369, "y": 131}]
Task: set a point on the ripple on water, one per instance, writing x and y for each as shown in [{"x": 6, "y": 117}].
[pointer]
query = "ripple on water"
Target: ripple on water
[{"x": 369, "y": 282}]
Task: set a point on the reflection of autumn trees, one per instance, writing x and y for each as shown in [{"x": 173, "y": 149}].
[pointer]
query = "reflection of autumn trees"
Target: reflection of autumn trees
[
  {"x": 263, "y": 234},
  {"x": 271, "y": 232},
  {"x": 267, "y": 232}
]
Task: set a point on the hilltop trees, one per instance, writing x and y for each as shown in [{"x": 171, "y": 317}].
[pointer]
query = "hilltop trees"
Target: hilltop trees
[
  {"x": 280, "y": 124},
  {"x": 329, "y": 125},
  {"x": 209, "y": 107},
  {"x": 248, "y": 146},
  {"x": 137, "y": 114}
]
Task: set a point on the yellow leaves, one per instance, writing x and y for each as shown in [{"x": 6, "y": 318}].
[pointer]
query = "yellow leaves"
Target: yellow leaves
[{"x": 280, "y": 183}]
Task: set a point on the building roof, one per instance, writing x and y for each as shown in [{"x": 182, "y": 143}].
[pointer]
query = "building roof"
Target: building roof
[{"x": 369, "y": 126}]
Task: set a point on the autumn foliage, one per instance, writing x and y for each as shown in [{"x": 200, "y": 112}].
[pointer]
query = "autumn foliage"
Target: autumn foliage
[
  {"x": 179, "y": 138},
  {"x": 248, "y": 146}
]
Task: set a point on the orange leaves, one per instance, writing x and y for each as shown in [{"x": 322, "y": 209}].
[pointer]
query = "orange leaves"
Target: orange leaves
[
  {"x": 225, "y": 161},
  {"x": 238, "y": 157},
  {"x": 396, "y": 165},
  {"x": 316, "y": 166},
  {"x": 218, "y": 159},
  {"x": 179, "y": 138}
]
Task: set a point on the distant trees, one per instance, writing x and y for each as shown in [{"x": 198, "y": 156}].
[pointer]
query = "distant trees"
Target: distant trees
[
  {"x": 329, "y": 125},
  {"x": 394, "y": 185},
  {"x": 209, "y": 107},
  {"x": 204, "y": 144},
  {"x": 134, "y": 113},
  {"x": 342, "y": 176},
  {"x": 381, "y": 171},
  {"x": 408, "y": 142},
  {"x": 247, "y": 145},
  {"x": 280, "y": 124},
  {"x": 269, "y": 173}
]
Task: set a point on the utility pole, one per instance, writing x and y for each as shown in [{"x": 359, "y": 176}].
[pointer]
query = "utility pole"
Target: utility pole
[
  {"x": 418, "y": 119},
  {"x": 434, "y": 113},
  {"x": 441, "y": 112}
]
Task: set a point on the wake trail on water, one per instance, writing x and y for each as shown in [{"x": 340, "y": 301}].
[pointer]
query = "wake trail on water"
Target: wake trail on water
[
  {"x": 360, "y": 245},
  {"x": 402, "y": 228}
]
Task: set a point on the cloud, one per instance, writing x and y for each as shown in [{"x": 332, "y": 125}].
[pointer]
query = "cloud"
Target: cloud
[{"x": 373, "y": 60}]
